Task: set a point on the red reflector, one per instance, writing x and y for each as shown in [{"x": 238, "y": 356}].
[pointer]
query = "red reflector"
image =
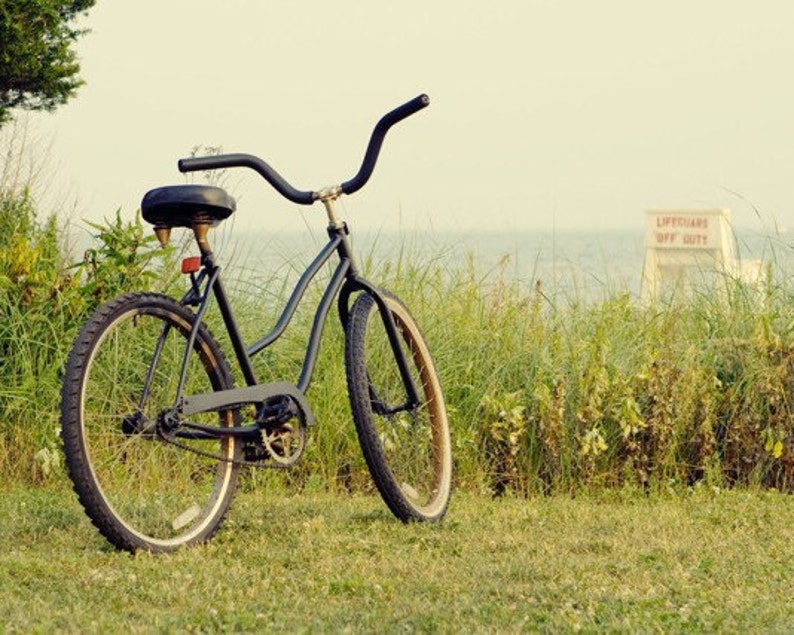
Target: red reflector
[{"x": 191, "y": 265}]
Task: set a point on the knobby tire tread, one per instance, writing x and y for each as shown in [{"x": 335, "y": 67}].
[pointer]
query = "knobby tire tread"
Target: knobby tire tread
[
  {"x": 78, "y": 466},
  {"x": 358, "y": 387}
]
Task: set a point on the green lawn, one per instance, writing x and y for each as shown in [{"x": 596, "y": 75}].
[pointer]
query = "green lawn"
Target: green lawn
[{"x": 694, "y": 561}]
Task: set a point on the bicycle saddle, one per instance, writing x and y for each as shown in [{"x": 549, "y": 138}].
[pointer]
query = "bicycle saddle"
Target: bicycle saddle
[{"x": 182, "y": 205}]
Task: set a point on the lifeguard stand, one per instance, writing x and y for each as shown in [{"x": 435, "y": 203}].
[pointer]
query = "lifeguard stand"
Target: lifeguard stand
[{"x": 685, "y": 249}]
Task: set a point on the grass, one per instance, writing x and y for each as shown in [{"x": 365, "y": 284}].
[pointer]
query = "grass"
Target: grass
[
  {"x": 695, "y": 560},
  {"x": 546, "y": 395},
  {"x": 547, "y": 392},
  {"x": 634, "y": 418}
]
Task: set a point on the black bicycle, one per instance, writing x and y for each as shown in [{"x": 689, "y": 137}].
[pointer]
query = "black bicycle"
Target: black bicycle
[{"x": 154, "y": 429}]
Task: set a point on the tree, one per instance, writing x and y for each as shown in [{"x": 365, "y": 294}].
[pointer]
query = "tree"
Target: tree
[{"x": 38, "y": 68}]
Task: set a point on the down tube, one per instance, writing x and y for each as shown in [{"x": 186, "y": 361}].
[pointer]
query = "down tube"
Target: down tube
[{"x": 320, "y": 316}]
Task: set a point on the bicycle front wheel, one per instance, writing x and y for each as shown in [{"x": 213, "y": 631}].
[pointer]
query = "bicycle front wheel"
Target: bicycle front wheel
[
  {"x": 406, "y": 446},
  {"x": 142, "y": 489}
]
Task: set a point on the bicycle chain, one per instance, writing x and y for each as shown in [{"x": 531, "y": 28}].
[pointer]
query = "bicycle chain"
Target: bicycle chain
[{"x": 257, "y": 464}]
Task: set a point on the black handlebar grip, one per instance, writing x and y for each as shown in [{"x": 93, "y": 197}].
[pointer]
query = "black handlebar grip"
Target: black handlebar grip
[
  {"x": 220, "y": 161},
  {"x": 376, "y": 140},
  {"x": 194, "y": 164},
  {"x": 407, "y": 109}
]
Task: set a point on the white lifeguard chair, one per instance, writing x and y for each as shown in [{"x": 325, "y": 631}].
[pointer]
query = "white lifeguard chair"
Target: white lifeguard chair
[{"x": 687, "y": 249}]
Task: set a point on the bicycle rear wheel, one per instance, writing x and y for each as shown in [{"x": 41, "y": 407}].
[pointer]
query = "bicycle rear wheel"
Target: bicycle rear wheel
[
  {"x": 140, "y": 490},
  {"x": 407, "y": 449}
]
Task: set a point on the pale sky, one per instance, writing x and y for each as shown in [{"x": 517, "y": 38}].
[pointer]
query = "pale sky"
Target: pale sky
[{"x": 543, "y": 114}]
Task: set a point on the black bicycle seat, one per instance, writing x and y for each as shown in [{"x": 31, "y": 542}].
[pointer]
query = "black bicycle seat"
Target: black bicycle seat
[{"x": 182, "y": 205}]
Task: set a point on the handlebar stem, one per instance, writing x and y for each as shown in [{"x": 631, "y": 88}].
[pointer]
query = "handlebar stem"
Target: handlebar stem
[{"x": 328, "y": 195}]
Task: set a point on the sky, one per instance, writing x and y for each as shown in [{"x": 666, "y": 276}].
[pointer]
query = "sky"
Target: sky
[{"x": 567, "y": 114}]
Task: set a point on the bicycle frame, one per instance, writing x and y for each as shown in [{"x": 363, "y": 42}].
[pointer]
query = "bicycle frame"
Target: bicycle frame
[
  {"x": 345, "y": 281},
  {"x": 161, "y": 473}
]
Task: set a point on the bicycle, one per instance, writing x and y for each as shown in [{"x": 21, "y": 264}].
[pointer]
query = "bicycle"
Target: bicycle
[{"x": 154, "y": 429}]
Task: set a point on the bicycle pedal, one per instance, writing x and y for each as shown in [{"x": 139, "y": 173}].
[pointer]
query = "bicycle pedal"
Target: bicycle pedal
[{"x": 276, "y": 412}]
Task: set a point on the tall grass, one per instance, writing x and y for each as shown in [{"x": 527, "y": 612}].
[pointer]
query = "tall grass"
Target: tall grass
[
  {"x": 546, "y": 392},
  {"x": 44, "y": 299},
  {"x": 560, "y": 394}
]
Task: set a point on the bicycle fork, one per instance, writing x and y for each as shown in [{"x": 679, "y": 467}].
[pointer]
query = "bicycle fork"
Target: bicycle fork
[{"x": 354, "y": 284}]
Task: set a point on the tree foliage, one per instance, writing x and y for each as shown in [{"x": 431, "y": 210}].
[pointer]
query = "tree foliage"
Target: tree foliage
[{"x": 38, "y": 68}]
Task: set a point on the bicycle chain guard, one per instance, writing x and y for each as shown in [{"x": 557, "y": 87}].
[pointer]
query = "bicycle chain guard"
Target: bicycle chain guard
[{"x": 283, "y": 421}]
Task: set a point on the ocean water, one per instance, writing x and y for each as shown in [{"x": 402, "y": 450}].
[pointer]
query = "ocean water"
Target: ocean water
[{"x": 581, "y": 264}]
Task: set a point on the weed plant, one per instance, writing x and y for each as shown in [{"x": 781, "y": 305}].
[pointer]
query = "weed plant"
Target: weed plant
[
  {"x": 546, "y": 392},
  {"x": 44, "y": 299},
  {"x": 563, "y": 395}
]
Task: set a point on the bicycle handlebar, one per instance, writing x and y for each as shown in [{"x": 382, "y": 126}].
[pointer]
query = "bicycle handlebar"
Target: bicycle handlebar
[
  {"x": 219, "y": 161},
  {"x": 305, "y": 197},
  {"x": 376, "y": 140}
]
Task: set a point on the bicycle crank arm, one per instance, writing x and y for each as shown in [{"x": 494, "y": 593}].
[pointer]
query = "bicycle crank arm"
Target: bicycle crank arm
[{"x": 227, "y": 399}]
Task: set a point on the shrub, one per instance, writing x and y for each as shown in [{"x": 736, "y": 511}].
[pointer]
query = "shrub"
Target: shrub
[
  {"x": 545, "y": 394},
  {"x": 43, "y": 302}
]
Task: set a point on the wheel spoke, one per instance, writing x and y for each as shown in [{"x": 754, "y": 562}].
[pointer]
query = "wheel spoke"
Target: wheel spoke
[
  {"x": 141, "y": 491},
  {"x": 407, "y": 447}
]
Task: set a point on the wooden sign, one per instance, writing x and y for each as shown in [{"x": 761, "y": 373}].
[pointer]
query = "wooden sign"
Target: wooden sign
[
  {"x": 687, "y": 247},
  {"x": 681, "y": 229}
]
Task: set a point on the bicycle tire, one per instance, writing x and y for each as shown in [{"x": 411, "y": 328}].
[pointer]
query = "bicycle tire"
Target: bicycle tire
[
  {"x": 408, "y": 454},
  {"x": 139, "y": 490}
]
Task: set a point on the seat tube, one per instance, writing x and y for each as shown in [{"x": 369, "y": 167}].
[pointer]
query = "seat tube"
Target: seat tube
[{"x": 234, "y": 334}]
